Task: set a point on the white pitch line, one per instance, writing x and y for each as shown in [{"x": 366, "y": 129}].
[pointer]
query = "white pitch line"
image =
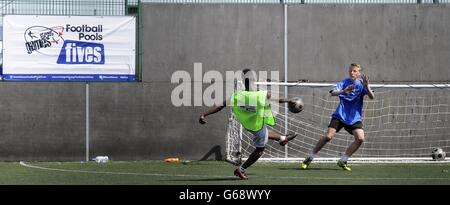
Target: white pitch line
[
  {"x": 212, "y": 176},
  {"x": 118, "y": 173}
]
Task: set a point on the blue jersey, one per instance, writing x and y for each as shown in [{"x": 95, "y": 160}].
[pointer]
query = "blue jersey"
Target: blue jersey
[{"x": 350, "y": 106}]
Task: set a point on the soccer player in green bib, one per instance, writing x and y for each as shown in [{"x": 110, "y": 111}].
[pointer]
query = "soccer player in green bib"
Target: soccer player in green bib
[{"x": 252, "y": 110}]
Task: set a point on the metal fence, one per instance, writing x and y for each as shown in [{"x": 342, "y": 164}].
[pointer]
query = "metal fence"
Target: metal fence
[
  {"x": 66, "y": 7},
  {"x": 297, "y": 1}
]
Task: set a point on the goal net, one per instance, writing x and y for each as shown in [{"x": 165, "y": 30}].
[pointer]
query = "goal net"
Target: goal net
[{"x": 404, "y": 123}]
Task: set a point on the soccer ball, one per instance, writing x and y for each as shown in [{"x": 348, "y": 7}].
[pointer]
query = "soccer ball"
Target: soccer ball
[
  {"x": 295, "y": 105},
  {"x": 438, "y": 154}
]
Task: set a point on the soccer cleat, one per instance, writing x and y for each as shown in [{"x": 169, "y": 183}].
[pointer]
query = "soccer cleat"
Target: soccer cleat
[
  {"x": 240, "y": 174},
  {"x": 305, "y": 163},
  {"x": 289, "y": 137},
  {"x": 343, "y": 165}
]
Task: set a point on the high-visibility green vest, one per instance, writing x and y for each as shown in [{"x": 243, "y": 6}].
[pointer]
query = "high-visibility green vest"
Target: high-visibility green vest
[{"x": 252, "y": 109}]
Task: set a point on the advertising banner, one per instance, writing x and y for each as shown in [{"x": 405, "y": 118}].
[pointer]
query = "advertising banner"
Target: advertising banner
[{"x": 69, "y": 48}]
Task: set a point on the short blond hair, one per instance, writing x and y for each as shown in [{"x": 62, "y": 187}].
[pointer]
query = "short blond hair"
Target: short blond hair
[{"x": 356, "y": 65}]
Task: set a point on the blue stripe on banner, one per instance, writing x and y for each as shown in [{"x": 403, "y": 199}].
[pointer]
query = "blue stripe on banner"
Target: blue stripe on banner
[{"x": 68, "y": 77}]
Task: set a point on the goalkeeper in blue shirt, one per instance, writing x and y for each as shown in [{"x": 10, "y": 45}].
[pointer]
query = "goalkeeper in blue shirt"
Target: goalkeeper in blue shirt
[{"x": 351, "y": 93}]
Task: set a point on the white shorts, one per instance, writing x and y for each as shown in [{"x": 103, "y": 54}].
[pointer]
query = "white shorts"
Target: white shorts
[{"x": 260, "y": 137}]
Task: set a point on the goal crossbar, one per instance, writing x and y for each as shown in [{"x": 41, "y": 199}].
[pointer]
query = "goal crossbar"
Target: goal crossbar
[{"x": 371, "y": 85}]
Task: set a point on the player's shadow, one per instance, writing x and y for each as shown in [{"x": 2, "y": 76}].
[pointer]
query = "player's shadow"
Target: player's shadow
[
  {"x": 213, "y": 178},
  {"x": 207, "y": 179},
  {"x": 309, "y": 169},
  {"x": 216, "y": 150}
]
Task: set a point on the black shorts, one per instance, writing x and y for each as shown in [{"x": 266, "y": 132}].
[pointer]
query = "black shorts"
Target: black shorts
[{"x": 338, "y": 125}]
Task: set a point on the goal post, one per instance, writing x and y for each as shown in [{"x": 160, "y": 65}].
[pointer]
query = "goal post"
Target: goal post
[{"x": 404, "y": 123}]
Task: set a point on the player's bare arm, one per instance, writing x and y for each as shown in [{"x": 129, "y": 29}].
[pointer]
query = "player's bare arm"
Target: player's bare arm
[
  {"x": 347, "y": 90},
  {"x": 210, "y": 111},
  {"x": 279, "y": 100}
]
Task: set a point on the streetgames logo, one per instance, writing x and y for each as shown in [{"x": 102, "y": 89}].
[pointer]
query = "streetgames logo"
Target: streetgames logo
[
  {"x": 40, "y": 37},
  {"x": 74, "y": 51}
]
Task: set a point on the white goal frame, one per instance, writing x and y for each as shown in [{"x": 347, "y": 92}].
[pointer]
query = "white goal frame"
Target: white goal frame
[{"x": 232, "y": 149}]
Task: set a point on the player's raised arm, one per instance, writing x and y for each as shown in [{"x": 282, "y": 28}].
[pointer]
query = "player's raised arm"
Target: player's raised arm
[
  {"x": 365, "y": 79},
  {"x": 211, "y": 110},
  {"x": 279, "y": 100},
  {"x": 337, "y": 92}
]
